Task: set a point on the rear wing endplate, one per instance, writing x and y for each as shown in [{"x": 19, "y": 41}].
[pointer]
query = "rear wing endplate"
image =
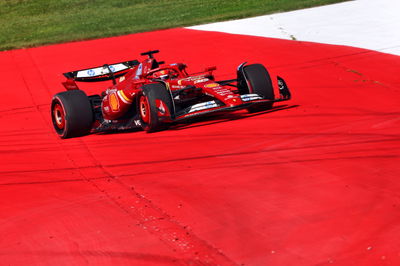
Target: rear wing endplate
[{"x": 101, "y": 73}]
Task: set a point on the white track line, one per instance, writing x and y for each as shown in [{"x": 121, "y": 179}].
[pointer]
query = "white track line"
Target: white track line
[{"x": 370, "y": 24}]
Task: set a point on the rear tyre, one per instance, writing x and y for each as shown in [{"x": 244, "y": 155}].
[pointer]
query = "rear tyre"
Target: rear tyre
[
  {"x": 72, "y": 114},
  {"x": 259, "y": 82},
  {"x": 155, "y": 107}
]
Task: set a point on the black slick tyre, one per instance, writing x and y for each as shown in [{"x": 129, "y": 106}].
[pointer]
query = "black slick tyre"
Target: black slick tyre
[
  {"x": 71, "y": 113},
  {"x": 155, "y": 107},
  {"x": 259, "y": 82}
]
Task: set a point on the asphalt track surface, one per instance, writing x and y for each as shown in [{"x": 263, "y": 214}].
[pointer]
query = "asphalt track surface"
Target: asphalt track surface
[{"x": 314, "y": 181}]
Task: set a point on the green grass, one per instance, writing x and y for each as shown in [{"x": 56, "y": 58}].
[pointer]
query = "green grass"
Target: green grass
[{"x": 27, "y": 23}]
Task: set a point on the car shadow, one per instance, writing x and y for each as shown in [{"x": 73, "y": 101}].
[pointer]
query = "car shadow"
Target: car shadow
[
  {"x": 200, "y": 121},
  {"x": 216, "y": 118}
]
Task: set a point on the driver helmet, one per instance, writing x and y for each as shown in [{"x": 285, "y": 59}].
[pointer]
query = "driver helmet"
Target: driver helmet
[{"x": 164, "y": 74}]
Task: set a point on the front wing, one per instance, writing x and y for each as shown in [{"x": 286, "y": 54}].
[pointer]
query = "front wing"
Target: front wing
[
  {"x": 213, "y": 106},
  {"x": 249, "y": 99}
]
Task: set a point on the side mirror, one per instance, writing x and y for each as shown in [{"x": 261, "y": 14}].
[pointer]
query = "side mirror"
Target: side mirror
[{"x": 210, "y": 69}]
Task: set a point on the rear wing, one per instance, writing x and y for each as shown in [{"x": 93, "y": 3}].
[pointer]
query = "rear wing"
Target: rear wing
[{"x": 101, "y": 73}]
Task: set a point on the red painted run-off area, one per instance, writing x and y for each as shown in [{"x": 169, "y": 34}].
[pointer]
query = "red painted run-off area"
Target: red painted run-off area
[{"x": 315, "y": 181}]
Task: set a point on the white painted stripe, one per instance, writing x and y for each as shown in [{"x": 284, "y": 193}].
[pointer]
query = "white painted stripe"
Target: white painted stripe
[{"x": 370, "y": 24}]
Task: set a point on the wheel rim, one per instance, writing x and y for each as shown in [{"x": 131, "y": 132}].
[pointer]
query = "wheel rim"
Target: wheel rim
[
  {"x": 59, "y": 116},
  {"x": 144, "y": 109}
]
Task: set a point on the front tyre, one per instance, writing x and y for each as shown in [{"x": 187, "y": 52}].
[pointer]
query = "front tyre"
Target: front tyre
[
  {"x": 155, "y": 107},
  {"x": 258, "y": 82},
  {"x": 72, "y": 114}
]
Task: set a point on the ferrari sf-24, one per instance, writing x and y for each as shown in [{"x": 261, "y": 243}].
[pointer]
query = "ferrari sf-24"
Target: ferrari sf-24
[{"x": 153, "y": 95}]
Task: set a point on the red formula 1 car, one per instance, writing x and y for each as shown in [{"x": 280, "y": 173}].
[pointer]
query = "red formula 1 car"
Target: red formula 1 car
[{"x": 151, "y": 95}]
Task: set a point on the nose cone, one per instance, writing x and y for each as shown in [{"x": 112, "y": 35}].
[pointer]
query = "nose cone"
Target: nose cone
[{"x": 233, "y": 100}]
